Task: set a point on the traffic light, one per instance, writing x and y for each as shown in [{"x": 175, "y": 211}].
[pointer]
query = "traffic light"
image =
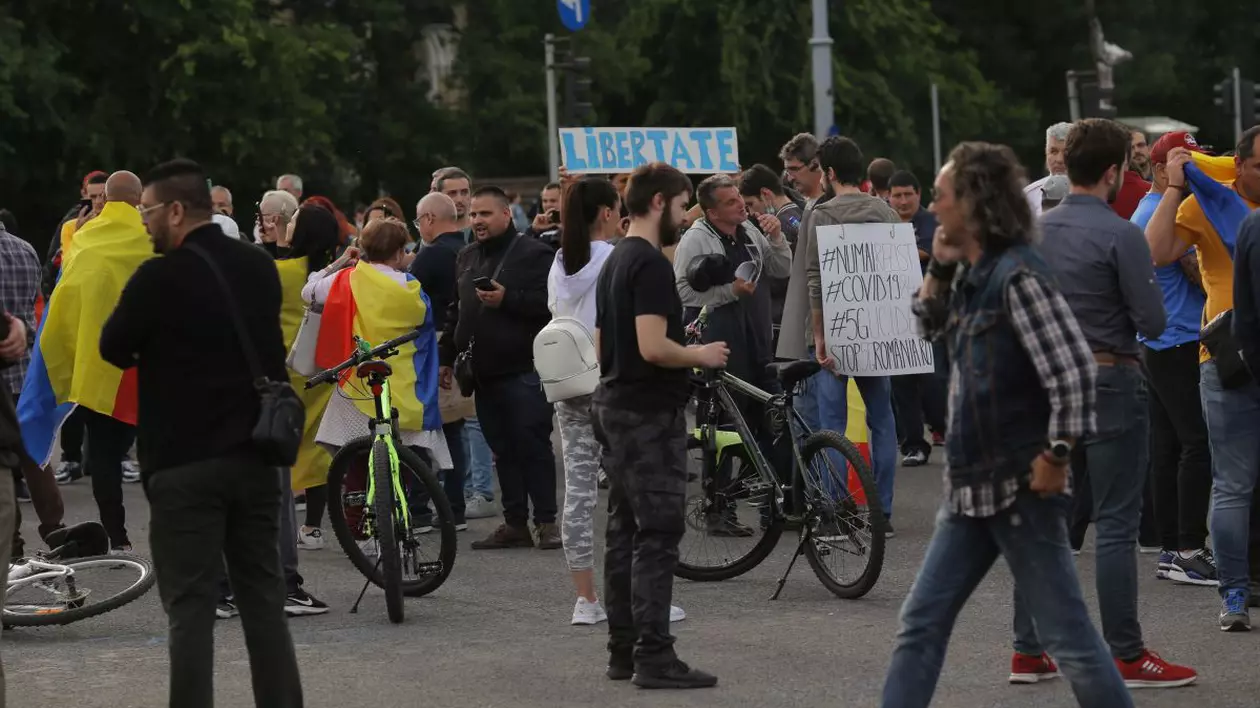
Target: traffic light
[
  {"x": 1096, "y": 102},
  {"x": 1247, "y": 103},
  {"x": 578, "y": 110}
]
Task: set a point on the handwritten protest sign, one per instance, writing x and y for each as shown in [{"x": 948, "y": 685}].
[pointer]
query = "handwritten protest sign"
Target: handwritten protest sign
[
  {"x": 870, "y": 273},
  {"x": 693, "y": 150}
]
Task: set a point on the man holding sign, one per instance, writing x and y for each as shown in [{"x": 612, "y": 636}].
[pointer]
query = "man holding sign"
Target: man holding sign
[{"x": 805, "y": 328}]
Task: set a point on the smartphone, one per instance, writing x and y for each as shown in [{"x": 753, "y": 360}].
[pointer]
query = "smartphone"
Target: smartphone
[
  {"x": 84, "y": 204},
  {"x": 553, "y": 216},
  {"x": 483, "y": 283}
]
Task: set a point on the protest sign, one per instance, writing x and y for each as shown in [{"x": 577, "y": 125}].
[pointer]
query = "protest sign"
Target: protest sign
[
  {"x": 870, "y": 273},
  {"x": 612, "y": 150}
]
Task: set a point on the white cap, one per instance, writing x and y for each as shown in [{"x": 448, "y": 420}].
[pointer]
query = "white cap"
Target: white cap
[{"x": 230, "y": 229}]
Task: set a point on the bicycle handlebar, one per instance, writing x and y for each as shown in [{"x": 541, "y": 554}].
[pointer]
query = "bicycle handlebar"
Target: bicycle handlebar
[{"x": 383, "y": 351}]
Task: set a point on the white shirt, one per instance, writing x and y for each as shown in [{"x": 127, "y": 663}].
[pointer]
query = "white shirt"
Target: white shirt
[
  {"x": 319, "y": 283},
  {"x": 1033, "y": 194}
]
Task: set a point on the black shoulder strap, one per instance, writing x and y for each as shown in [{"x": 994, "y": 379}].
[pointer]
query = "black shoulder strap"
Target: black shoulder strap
[
  {"x": 506, "y": 252},
  {"x": 247, "y": 343}
]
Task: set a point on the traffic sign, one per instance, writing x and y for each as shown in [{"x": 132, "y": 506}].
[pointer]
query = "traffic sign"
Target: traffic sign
[{"x": 574, "y": 14}]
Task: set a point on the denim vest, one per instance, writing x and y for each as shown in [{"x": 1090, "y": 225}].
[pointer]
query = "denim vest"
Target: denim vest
[{"x": 999, "y": 411}]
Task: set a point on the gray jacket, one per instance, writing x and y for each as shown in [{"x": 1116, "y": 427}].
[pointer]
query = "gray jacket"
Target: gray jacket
[
  {"x": 804, "y": 294},
  {"x": 774, "y": 259}
]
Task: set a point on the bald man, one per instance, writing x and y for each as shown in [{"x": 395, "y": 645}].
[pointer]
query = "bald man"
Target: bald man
[{"x": 125, "y": 187}]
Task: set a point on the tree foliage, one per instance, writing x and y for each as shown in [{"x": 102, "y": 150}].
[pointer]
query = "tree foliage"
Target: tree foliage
[{"x": 336, "y": 89}]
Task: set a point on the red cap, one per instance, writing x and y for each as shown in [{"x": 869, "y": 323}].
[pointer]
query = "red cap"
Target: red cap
[
  {"x": 90, "y": 175},
  {"x": 1176, "y": 139}
]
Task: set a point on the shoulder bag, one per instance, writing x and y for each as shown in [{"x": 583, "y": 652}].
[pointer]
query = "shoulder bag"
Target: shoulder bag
[
  {"x": 302, "y": 355},
  {"x": 277, "y": 433},
  {"x": 465, "y": 378}
]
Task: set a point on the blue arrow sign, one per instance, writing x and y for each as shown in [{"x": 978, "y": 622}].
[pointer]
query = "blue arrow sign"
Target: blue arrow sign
[{"x": 574, "y": 14}]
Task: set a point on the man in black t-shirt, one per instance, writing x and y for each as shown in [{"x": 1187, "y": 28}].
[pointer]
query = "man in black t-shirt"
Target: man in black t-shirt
[{"x": 641, "y": 425}]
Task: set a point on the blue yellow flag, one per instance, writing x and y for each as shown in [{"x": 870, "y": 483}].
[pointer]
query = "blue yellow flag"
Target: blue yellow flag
[
  {"x": 66, "y": 366},
  {"x": 1209, "y": 179}
]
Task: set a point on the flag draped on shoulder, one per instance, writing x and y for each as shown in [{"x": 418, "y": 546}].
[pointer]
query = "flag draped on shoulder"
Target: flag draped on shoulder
[
  {"x": 311, "y": 468},
  {"x": 66, "y": 367},
  {"x": 1209, "y": 179},
  {"x": 367, "y": 303}
]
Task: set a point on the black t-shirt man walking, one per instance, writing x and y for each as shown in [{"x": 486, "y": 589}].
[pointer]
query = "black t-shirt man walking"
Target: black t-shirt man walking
[{"x": 639, "y": 422}]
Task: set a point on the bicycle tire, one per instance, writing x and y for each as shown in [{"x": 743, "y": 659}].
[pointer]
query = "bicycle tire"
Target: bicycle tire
[
  {"x": 444, "y": 519},
  {"x": 758, "y": 553},
  {"x": 386, "y": 532},
  {"x": 829, "y": 439},
  {"x": 134, "y": 592}
]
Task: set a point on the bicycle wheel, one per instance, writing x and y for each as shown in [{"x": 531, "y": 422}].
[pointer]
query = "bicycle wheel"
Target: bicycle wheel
[
  {"x": 384, "y": 523},
  {"x": 96, "y": 585},
  {"x": 733, "y": 519},
  {"x": 843, "y": 522},
  {"x": 427, "y": 549}
]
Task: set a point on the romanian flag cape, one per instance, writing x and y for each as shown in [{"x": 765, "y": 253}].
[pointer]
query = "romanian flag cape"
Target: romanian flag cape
[
  {"x": 311, "y": 469},
  {"x": 1209, "y": 179},
  {"x": 367, "y": 303},
  {"x": 66, "y": 368}
]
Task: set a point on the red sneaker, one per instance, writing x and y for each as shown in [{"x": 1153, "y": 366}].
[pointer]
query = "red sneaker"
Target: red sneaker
[
  {"x": 1150, "y": 671},
  {"x": 1031, "y": 669},
  {"x": 938, "y": 439}
]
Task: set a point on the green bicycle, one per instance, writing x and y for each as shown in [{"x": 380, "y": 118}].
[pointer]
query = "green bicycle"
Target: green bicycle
[{"x": 385, "y": 512}]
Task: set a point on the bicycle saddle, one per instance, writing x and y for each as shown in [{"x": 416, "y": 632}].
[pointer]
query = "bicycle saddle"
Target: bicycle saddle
[
  {"x": 790, "y": 373},
  {"x": 83, "y": 539},
  {"x": 368, "y": 368}
]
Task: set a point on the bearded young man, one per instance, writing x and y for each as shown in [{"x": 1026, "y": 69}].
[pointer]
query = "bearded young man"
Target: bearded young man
[{"x": 640, "y": 421}]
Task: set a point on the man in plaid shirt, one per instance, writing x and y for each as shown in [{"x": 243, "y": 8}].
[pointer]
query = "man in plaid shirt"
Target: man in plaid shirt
[
  {"x": 1021, "y": 393},
  {"x": 20, "y": 274}
]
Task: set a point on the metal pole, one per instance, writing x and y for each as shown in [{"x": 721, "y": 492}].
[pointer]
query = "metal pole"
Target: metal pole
[
  {"x": 820, "y": 55},
  {"x": 1074, "y": 98},
  {"x": 1238, "y": 126},
  {"x": 553, "y": 130},
  {"x": 936, "y": 125}
]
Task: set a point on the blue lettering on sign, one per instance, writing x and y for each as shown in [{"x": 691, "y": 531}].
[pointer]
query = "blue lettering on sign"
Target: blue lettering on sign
[{"x": 619, "y": 150}]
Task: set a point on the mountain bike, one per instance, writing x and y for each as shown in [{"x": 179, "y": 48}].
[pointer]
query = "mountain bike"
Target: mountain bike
[
  {"x": 66, "y": 584},
  {"x": 384, "y": 502},
  {"x": 742, "y": 503}
]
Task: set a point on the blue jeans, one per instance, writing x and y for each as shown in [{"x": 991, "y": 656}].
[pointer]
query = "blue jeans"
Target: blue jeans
[
  {"x": 832, "y": 396},
  {"x": 1231, "y": 416},
  {"x": 480, "y": 477},
  {"x": 1032, "y": 537},
  {"x": 1116, "y": 458}
]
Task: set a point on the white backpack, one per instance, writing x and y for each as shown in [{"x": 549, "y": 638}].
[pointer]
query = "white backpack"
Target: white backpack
[{"x": 565, "y": 358}]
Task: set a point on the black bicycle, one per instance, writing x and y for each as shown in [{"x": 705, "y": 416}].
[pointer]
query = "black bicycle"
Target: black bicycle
[
  {"x": 739, "y": 503},
  {"x": 384, "y": 503}
]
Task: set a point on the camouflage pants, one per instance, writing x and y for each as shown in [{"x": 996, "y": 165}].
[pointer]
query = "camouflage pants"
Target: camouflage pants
[
  {"x": 645, "y": 457},
  {"x": 581, "y": 470}
]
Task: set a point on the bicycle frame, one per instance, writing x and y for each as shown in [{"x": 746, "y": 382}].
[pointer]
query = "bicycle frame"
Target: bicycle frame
[
  {"x": 383, "y": 429},
  {"x": 42, "y": 572}
]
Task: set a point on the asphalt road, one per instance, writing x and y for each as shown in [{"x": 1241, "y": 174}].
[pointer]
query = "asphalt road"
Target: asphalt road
[{"x": 497, "y": 634}]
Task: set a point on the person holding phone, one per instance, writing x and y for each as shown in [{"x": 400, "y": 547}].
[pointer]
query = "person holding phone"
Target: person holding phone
[{"x": 546, "y": 225}]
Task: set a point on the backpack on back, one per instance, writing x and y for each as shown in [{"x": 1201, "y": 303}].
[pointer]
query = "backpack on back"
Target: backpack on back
[{"x": 565, "y": 358}]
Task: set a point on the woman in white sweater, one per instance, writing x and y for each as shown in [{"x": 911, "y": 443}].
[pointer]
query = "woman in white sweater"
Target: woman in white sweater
[{"x": 590, "y": 221}]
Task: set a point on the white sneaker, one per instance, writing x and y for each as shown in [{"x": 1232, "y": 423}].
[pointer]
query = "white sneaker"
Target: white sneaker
[
  {"x": 309, "y": 539},
  {"x": 478, "y": 507},
  {"x": 130, "y": 471},
  {"x": 676, "y": 614},
  {"x": 588, "y": 613},
  {"x": 369, "y": 547}
]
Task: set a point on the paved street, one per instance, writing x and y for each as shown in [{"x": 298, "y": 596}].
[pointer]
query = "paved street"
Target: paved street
[{"x": 497, "y": 634}]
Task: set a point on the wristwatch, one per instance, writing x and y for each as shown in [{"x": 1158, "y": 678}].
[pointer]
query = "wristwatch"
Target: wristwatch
[{"x": 1059, "y": 450}]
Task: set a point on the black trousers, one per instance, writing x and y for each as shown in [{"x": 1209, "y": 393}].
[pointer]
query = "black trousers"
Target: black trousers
[
  {"x": 645, "y": 457},
  {"x": 516, "y": 420},
  {"x": 201, "y": 515},
  {"x": 72, "y": 432},
  {"x": 918, "y": 398},
  {"x": 1181, "y": 458},
  {"x": 108, "y": 442}
]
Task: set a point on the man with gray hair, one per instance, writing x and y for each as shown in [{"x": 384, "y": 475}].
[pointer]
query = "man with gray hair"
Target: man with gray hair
[
  {"x": 275, "y": 210},
  {"x": 800, "y": 161},
  {"x": 1056, "y": 141},
  {"x": 222, "y": 199},
  {"x": 291, "y": 184}
]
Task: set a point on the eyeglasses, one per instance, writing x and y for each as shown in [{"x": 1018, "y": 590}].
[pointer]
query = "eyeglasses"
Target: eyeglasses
[
  {"x": 419, "y": 222},
  {"x": 146, "y": 211}
]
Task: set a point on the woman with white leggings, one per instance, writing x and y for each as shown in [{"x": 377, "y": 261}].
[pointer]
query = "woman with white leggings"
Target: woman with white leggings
[{"x": 590, "y": 219}]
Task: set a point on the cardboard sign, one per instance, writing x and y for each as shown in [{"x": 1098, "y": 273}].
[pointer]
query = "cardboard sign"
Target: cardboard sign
[
  {"x": 870, "y": 274},
  {"x": 614, "y": 150}
]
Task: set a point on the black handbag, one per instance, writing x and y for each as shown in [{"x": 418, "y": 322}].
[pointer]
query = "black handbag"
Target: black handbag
[
  {"x": 277, "y": 433},
  {"x": 1218, "y": 337},
  {"x": 463, "y": 368}
]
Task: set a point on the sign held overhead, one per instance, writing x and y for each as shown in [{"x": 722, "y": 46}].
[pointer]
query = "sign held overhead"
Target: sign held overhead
[{"x": 613, "y": 150}]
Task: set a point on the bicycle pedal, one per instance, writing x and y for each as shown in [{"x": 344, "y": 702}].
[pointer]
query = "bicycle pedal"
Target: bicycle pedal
[{"x": 429, "y": 568}]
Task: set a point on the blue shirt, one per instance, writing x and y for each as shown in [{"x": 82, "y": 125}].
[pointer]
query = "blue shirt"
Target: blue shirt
[{"x": 1183, "y": 300}]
